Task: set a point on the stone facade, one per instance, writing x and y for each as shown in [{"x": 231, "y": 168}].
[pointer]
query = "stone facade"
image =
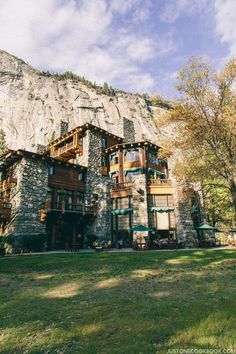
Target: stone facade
[
  {"x": 27, "y": 197},
  {"x": 186, "y": 234},
  {"x": 64, "y": 126},
  {"x": 97, "y": 187},
  {"x": 140, "y": 206},
  {"x": 128, "y": 130}
]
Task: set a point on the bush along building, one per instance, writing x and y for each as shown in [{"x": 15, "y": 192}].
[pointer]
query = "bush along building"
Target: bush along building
[{"x": 89, "y": 184}]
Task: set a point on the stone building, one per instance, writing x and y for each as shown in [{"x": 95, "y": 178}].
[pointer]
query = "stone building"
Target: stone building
[{"x": 89, "y": 183}]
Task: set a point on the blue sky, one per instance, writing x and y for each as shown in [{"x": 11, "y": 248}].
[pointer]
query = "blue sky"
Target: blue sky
[{"x": 134, "y": 45}]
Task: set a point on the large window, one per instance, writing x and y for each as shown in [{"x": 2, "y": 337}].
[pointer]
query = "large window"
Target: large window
[
  {"x": 131, "y": 155},
  {"x": 152, "y": 156},
  {"x": 121, "y": 203},
  {"x": 123, "y": 222},
  {"x": 162, "y": 221},
  {"x": 113, "y": 158},
  {"x": 103, "y": 143},
  {"x": 130, "y": 174},
  {"x": 160, "y": 200}
]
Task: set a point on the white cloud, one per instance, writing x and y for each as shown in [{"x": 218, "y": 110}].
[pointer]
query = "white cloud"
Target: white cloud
[
  {"x": 225, "y": 23},
  {"x": 141, "y": 14},
  {"x": 173, "y": 9},
  {"x": 81, "y": 36}
]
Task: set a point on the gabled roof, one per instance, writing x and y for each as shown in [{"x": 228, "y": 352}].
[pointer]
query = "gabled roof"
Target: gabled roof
[
  {"x": 11, "y": 156},
  {"x": 81, "y": 129}
]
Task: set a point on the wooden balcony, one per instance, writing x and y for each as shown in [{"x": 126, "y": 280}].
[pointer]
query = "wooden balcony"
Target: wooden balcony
[
  {"x": 5, "y": 211},
  {"x": 7, "y": 183},
  {"x": 68, "y": 151},
  {"x": 159, "y": 182},
  {"x": 159, "y": 186},
  {"x": 63, "y": 208},
  {"x": 121, "y": 190}
]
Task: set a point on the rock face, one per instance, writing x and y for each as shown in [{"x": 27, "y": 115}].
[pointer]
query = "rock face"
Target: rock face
[{"x": 33, "y": 107}]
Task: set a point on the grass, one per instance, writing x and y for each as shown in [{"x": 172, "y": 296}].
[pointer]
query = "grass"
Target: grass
[{"x": 120, "y": 303}]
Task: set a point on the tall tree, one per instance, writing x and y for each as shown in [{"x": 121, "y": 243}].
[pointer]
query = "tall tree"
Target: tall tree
[{"x": 204, "y": 121}]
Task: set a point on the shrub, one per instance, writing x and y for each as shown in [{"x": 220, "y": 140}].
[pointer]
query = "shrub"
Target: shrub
[{"x": 35, "y": 243}]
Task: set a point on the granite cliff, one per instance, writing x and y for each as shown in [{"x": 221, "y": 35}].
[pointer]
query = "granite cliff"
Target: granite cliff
[{"x": 32, "y": 107}]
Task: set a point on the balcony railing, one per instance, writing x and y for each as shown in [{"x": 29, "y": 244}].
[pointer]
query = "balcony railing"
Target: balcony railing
[
  {"x": 70, "y": 148},
  {"x": 159, "y": 182},
  {"x": 63, "y": 207},
  {"x": 120, "y": 186}
]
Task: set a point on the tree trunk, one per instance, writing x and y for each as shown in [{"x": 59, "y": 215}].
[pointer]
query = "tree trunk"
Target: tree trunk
[{"x": 232, "y": 185}]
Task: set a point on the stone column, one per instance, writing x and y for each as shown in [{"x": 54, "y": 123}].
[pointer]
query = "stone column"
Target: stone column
[
  {"x": 140, "y": 208},
  {"x": 186, "y": 234},
  {"x": 27, "y": 197},
  {"x": 97, "y": 187},
  {"x": 128, "y": 131}
]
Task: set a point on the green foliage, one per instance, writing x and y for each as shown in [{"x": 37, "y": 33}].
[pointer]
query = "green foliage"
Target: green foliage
[
  {"x": 159, "y": 101},
  {"x": 35, "y": 243},
  {"x": 203, "y": 123},
  {"x": 68, "y": 75}
]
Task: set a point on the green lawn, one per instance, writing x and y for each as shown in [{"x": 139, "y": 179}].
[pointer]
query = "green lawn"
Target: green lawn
[{"x": 120, "y": 303}]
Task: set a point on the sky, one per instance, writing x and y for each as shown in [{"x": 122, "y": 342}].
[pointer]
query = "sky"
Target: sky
[{"x": 133, "y": 45}]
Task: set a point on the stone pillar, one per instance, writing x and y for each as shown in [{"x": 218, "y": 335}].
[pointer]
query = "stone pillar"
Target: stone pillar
[
  {"x": 97, "y": 187},
  {"x": 140, "y": 208},
  {"x": 128, "y": 131},
  {"x": 186, "y": 234},
  {"x": 64, "y": 126},
  {"x": 27, "y": 197}
]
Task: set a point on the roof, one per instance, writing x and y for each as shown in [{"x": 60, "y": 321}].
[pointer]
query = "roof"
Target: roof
[
  {"x": 81, "y": 129},
  {"x": 129, "y": 145},
  {"x": 11, "y": 156}
]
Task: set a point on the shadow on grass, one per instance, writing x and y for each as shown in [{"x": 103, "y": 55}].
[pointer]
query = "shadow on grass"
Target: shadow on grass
[{"x": 123, "y": 303}]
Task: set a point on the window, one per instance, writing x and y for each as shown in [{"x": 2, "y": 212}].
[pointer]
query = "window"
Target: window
[
  {"x": 51, "y": 170},
  {"x": 121, "y": 203},
  {"x": 104, "y": 161},
  {"x": 152, "y": 156},
  {"x": 131, "y": 155},
  {"x": 160, "y": 200},
  {"x": 81, "y": 176},
  {"x": 113, "y": 158},
  {"x": 130, "y": 174},
  {"x": 123, "y": 222},
  {"x": 103, "y": 143},
  {"x": 79, "y": 198}
]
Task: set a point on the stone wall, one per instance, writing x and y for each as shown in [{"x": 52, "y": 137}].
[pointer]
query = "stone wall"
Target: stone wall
[
  {"x": 97, "y": 187},
  {"x": 186, "y": 234},
  {"x": 40, "y": 148},
  {"x": 27, "y": 197},
  {"x": 64, "y": 126},
  {"x": 140, "y": 211},
  {"x": 128, "y": 130}
]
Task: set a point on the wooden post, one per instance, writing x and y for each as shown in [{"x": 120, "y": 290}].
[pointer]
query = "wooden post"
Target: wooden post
[{"x": 121, "y": 171}]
